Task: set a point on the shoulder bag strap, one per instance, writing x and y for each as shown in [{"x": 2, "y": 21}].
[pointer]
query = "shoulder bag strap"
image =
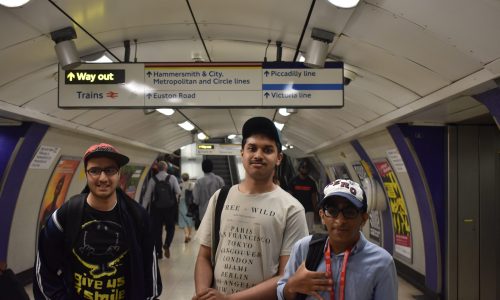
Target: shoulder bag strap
[{"x": 221, "y": 199}]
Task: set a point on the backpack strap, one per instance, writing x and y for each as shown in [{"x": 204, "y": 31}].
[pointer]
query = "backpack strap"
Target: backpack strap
[
  {"x": 221, "y": 199},
  {"x": 314, "y": 255},
  {"x": 72, "y": 219}
]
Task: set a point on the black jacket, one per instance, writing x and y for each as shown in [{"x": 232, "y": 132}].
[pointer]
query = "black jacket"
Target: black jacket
[{"x": 53, "y": 274}]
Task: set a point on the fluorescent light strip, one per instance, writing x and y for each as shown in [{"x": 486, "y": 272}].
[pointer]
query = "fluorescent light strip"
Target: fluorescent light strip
[
  {"x": 344, "y": 3},
  {"x": 202, "y": 136},
  {"x": 186, "y": 126},
  {"x": 13, "y": 3},
  {"x": 166, "y": 111}
]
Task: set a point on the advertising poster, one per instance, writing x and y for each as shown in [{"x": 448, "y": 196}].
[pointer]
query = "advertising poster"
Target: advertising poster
[
  {"x": 130, "y": 175},
  {"x": 340, "y": 171},
  {"x": 374, "y": 223},
  {"x": 399, "y": 211},
  {"x": 55, "y": 193}
]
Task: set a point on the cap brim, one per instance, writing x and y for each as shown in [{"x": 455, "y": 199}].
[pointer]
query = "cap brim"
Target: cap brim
[
  {"x": 120, "y": 159},
  {"x": 355, "y": 201}
]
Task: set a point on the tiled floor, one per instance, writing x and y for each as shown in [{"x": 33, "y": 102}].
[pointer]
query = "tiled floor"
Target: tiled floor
[{"x": 177, "y": 273}]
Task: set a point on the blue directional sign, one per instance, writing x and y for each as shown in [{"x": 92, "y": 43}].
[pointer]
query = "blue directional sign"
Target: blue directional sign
[{"x": 295, "y": 85}]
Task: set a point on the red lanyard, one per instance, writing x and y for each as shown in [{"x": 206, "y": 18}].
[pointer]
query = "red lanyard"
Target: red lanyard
[{"x": 328, "y": 262}]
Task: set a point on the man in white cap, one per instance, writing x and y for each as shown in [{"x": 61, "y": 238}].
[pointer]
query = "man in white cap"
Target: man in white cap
[{"x": 348, "y": 266}]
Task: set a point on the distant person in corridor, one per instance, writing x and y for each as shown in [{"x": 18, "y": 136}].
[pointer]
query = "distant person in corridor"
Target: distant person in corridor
[
  {"x": 97, "y": 245},
  {"x": 303, "y": 188},
  {"x": 163, "y": 207},
  {"x": 186, "y": 221},
  {"x": 259, "y": 223},
  {"x": 206, "y": 186}
]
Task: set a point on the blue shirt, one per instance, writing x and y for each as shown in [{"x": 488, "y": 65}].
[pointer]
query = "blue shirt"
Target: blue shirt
[{"x": 370, "y": 274}]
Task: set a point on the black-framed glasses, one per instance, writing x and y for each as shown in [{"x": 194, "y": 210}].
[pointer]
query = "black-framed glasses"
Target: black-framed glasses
[
  {"x": 349, "y": 212},
  {"x": 96, "y": 171}
]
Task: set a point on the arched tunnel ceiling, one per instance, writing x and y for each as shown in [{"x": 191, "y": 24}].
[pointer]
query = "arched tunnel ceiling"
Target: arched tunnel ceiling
[{"x": 416, "y": 61}]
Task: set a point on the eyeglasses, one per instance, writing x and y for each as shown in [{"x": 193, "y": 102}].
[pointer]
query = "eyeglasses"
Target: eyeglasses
[
  {"x": 349, "y": 212},
  {"x": 96, "y": 171}
]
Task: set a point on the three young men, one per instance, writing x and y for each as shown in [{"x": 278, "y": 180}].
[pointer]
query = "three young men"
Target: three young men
[{"x": 259, "y": 224}]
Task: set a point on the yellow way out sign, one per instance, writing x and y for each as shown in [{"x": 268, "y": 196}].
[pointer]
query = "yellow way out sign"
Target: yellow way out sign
[{"x": 95, "y": 76}]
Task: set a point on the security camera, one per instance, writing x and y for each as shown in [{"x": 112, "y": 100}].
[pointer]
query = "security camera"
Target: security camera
[{"x": 349, "y": 76}]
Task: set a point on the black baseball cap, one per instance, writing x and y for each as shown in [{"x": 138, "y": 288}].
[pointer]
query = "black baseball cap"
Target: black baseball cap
[
  {"x": 261, "y": 125},
  {"x": 105, "y": 150}
]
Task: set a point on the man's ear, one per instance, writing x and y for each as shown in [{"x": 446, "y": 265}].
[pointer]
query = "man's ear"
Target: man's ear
[
  {"x": 365, "y": 216},
  {"x": 322, "y": 216},
  {"x": 280, "y": 158}
]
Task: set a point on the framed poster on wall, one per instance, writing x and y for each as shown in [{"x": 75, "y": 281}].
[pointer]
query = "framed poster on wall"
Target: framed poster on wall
[
  {"x": 57, "y": 188},
  {"x": 130, "y": 176},
  {"x": 399, "y": 210},
  {"x": 375, "y": 223},
  {"x": 340, "y": 171}
]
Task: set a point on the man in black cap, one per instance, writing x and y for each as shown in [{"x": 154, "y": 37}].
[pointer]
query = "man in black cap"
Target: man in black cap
[
  {"x": 259, "y": 223},
  {"x": 98, "y": 245}
]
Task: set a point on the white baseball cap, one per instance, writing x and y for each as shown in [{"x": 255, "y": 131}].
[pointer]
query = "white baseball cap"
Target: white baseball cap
[{"x": 347, "y": 189}]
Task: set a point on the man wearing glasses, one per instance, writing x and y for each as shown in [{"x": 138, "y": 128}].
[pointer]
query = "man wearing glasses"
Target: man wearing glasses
[
  {"x": 98, "y": 245},
  {"x": 350, "y": 266}
]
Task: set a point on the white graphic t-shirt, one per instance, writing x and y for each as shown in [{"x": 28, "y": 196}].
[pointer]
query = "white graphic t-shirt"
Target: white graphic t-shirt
[{"x": 255, "y": 231}]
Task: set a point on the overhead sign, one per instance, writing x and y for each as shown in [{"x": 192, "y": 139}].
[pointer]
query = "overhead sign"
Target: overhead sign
[
  {"x": 156, "y": 85},
  {"x": 94, "y": 77},
  {"x": 218, "y": 149}
]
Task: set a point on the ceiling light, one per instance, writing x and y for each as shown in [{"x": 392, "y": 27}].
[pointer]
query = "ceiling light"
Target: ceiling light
[
  {"x": 283, "y": 112},
  {"x": 344, "y": 3},
  {"x": 65, "y": 48},
  {"x": 279, "y": 125},
  {"x": 302, "y": 58},
  {"x": 99, "y": 60},
  {"x": 202, "y": 136},
  {"x": 13, "y": 3},
  {"x": 166, "y": 111},
  {"x": 186, "y": 126},
  {"x": 283, "y": 148},
  {"x": 231, "y": 136},
  {"x": 318, "y": 48}
]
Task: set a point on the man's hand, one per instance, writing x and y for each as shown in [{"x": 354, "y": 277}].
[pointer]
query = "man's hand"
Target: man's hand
[
  {"x": 308, "y": 282},
  {"x": 209, "y": 294}
]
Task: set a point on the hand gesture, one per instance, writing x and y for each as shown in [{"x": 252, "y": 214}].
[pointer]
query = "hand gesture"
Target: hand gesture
[{"x": 309, "y": 282}]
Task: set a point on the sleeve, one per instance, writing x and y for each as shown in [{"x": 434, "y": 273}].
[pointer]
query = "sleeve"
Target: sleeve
[
  {"x": 296, "y": 258},
  {"x": 196, "y": 193},
  {"x": 296, "y": 228},
  {"x": 175, "y": 184},
  {"x": 152, "y": 279},
  {"x": 387, "y": 283},
  {"x": 49, "y": 282},
  {"x": 148, "y": 193}
]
